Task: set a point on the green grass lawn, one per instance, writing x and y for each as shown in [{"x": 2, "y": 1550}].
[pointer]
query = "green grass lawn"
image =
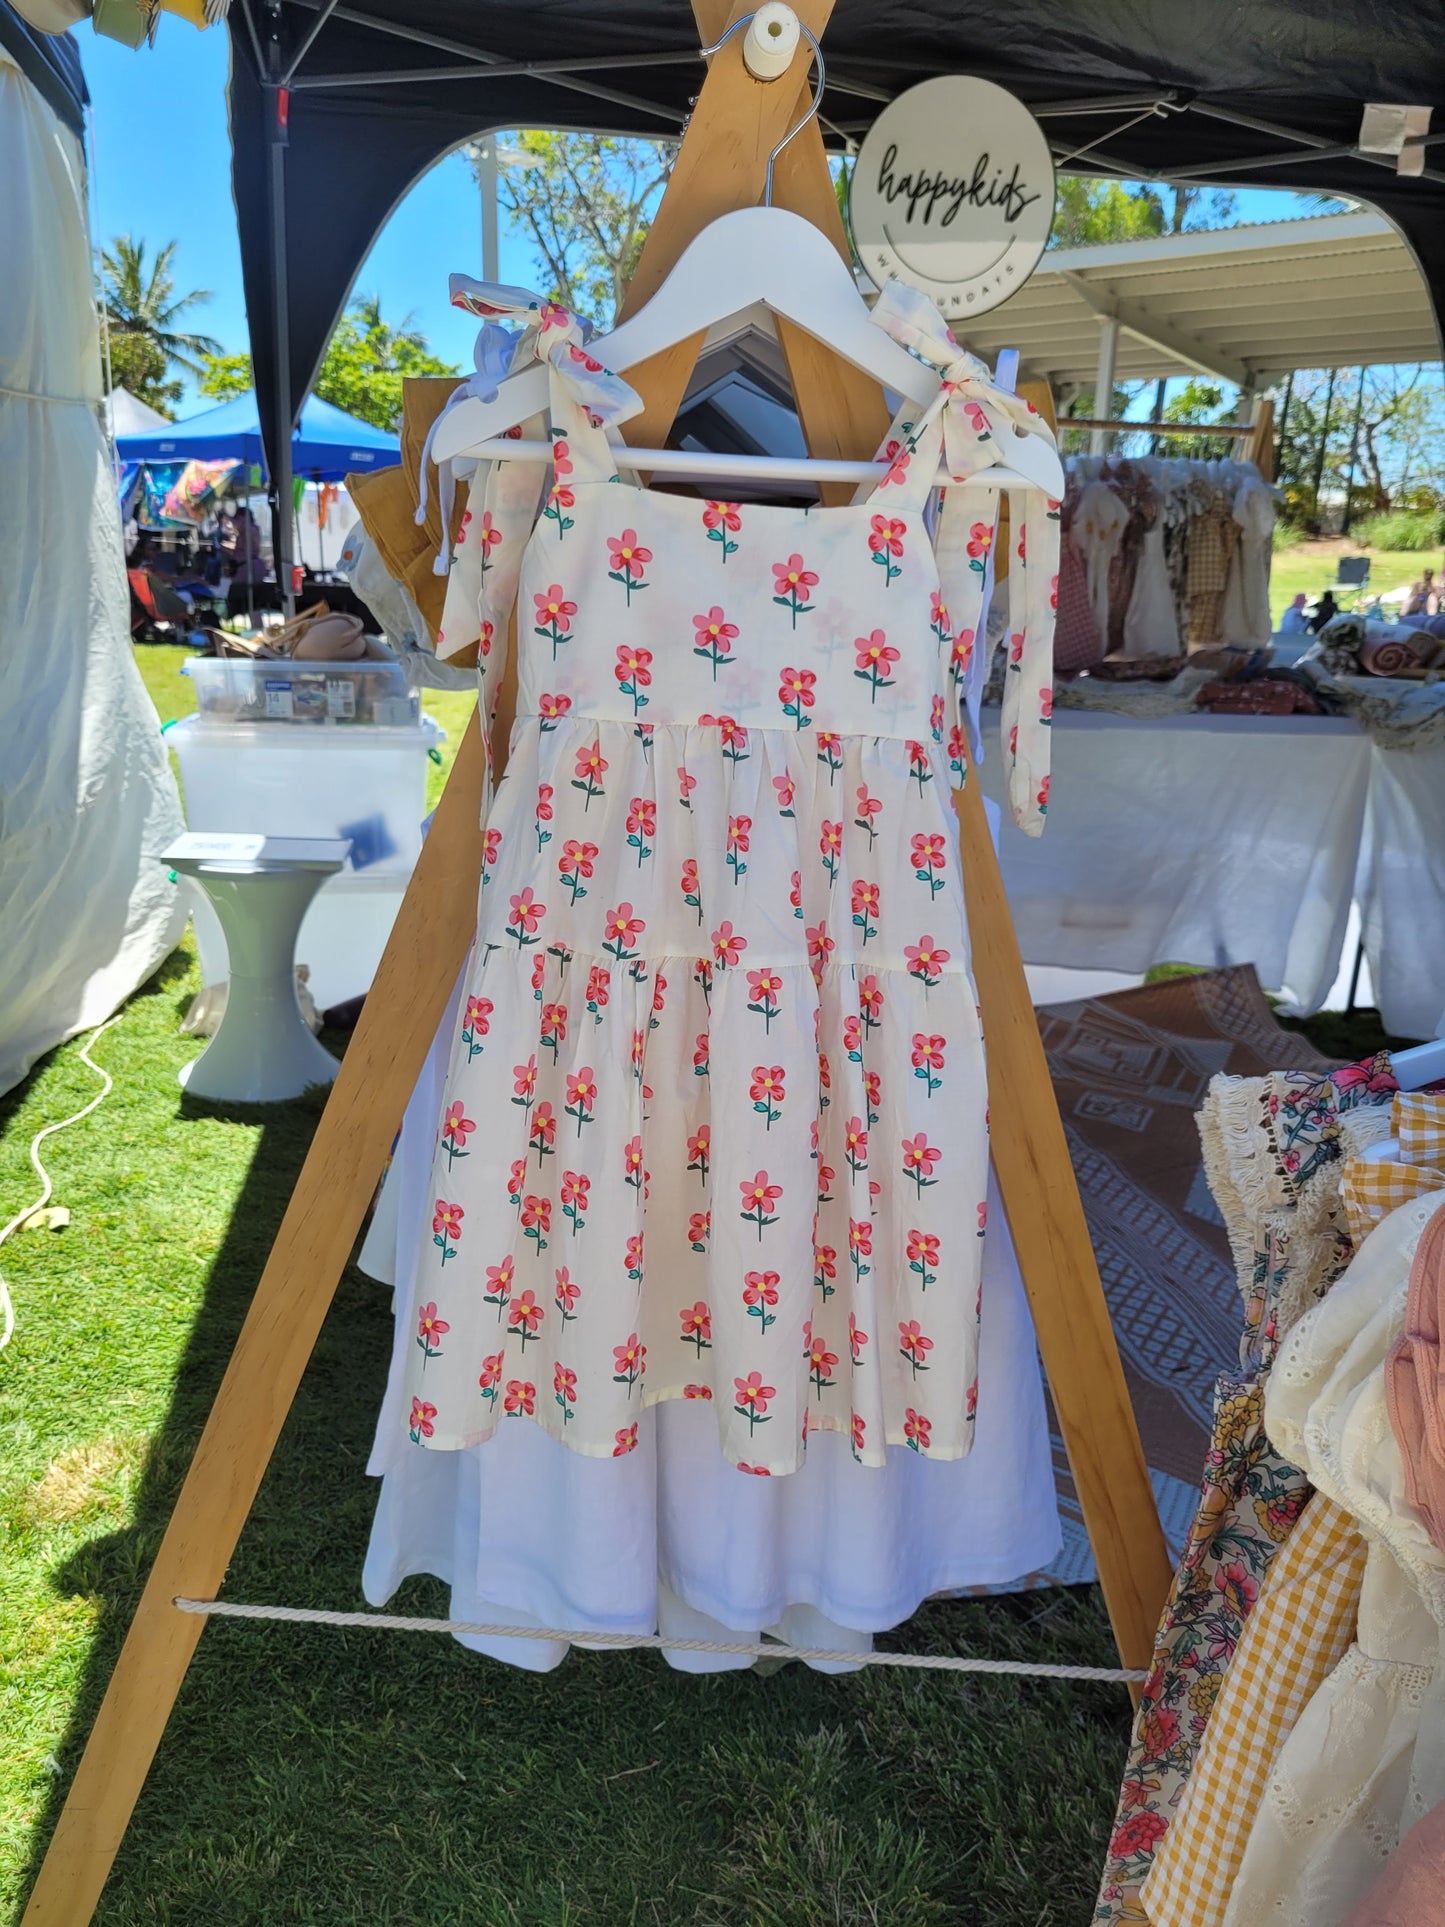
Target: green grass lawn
[
  {"x": 334, "y": 1778},
  {"x": 1309, "y": 568}
]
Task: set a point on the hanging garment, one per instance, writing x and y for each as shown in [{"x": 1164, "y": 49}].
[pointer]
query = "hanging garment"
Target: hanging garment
[
  {"x": 1273, "y": 1156},
  {"x": 1411, "y": 1890},
  {"x": 1366, "y": 1759},
  {"x": 690, "y": 1092},
  {"x": 668, "y": 1538},
  {"x": 1151, "y": 626},
  {"x": 1077, "y": 643},
  {"x": 1213, "y": 535},
  {"x": 1099, "y": 523},
  {"x": 1133, "y": 485},
  {"x": 1299, "y": 1631},
  {"x": 1245, "y": 615}
]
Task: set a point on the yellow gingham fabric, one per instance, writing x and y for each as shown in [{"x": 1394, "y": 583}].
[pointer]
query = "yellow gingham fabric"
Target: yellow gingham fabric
[
  {"x": 1371, "y": 1188},
  {"x": 1298, "y": 1632}
]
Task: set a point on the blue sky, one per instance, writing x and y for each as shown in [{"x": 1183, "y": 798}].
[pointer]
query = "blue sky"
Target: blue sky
[{"x": 161, "y": 172}]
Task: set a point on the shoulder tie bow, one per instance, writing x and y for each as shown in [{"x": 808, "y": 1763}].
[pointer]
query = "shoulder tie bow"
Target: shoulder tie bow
[{"x": 554, "y": 336}]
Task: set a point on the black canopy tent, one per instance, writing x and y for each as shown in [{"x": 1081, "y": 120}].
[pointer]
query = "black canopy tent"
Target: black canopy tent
[{"x": 337, "y": 109}]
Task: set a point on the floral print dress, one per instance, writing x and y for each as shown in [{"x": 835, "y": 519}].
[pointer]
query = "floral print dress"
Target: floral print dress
[{"x": 715, "y": 1119}]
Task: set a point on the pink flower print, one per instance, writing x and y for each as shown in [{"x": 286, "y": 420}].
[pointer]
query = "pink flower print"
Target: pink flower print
[
  {"x": 860, "y": 1246},
  {"x": 870, "y": 1001},
  {"x": 591, "y": 767},
  {"x": 727, "y": 947},
  {"x": 491, "y": 850},
  {"x": 855, "y": 1145},
  {"x": 983, "y": 1220},
  {"x": 574, "y": 864},
  {"x": 977, "y": 420},
  {"x": 734, "y": 737},
  {"x": 867, "y": 904},
  {"x": 760, "y": 1294},
  {"x": 685, "y": 786},
  {"x": 752, "y": 1398},
  {"x": 543, "y": 814},
  {"x": 575, "y": 1188},
  {"x": 1235, "y": 1586},
  {"x": 922, "y": 1250},
  {"x": 1015, "y": 650},
  {"x": 524, "y": 1082},
  {"x": 795, "y": 693},
  {"x": 630, "y": 1362},
  {"x": 699, "y": 1231},
  {"x": 913, "y": 1346},
  {"x": 868, "y": 808},
  {"x": 633, "y": 1258},
  {"x": 561, "y": 496},
  {"x": 713, "y": 638},
  {"x": 1046, "y": 705},
  {"x": 525, "y": 1316},
  {"x": 935, "y": 718},
  {"x": 875, "y": 656},
  {"x": 543, "y": 1131},
  {"x": 857, "y": 1339},
  {"x": 537, "y": 1220},
  {"x": 446, "y": 1226},
  {"x": 970, "y": 1400},
  {"x": 699, "y": 1150},
  {"x": 960, "y": 658},
  {"x": 830, "y": 752},
  {"x": 825, "y": 1269},
  {"x": 916, "y": 1429},
  {"x": 629, "y": 560},
  {"x": 938, "y": 616},
  {"x": 759, "y": 1194},
  {"x": 918, "y": 765},
  {"x": 641, "y": 826},
  {"x": 820, "y": 1366},
  {"x": 897, "y": 458},
  {"x": 634, "y": 673},
  {"x": 430, "y": 1330},
  {"x": 690, "y": 887},
  {"x": 697, "y": 1326},
  {"x": 552, "y": 709},
  {"x": 830, "y": 846},
  {"x": 980, "y": 541},
  {"x": 457, "y": 1127},
  {"x": 925, "y": 960},
  {"x": 697, "y": 1391},
  {"x": 853, "y": 1037},
  {"x": 767, "y": 1092},
  {"x": 919, "y": 1158},
  {"x": 885, "y": 543},
  {"x": 564, "y": 1389},
  {"x": 795, "y": 893},
  {"x": 929, "y": 857},
  {"x": 765, "y": 989},
  {"x": 625, "y": 1440},
  {"x": 722, "y": 520},
  {"x": 928, "y": 1059},
  {"x": 488, "y": 536},
  {"x": 632, "y": 1163},
  {"x": 792, "y": 584},
  {"x": 521, "y": 1398},
  {"x": 1043, "y": 796},
  {"x": 820, "y": 948},
  {"x": 566, "y": 1292},
  {"x": 514, "y": 1182},
  {"x": 527, "y": 913},
  {"x": 787, "y": 791},
  {"x": 422, "y": 1414},
  {"x": 476, "y": 1023},
  {"x": 485, "y": 638},
  {"x": 859, "y": 1426},
  {"x": 554, "y": 616},
  {"x": 701, "y": 1051},
  {"x": 599, "y": 980},
  {"x": 873, "y": 1096},
  {"x": 621, "y": 931},
  {"x": 581, "y": 1096},
  {"x": 738, "y": 844}
]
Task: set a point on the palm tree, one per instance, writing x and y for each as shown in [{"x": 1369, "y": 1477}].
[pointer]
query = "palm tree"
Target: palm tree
[{"x": 145, "y": 308}]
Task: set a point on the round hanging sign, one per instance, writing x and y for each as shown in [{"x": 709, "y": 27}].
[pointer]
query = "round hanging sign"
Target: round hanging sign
[{"x": 953, "y": 192}]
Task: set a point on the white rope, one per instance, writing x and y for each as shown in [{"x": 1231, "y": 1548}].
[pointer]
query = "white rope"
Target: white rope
[
  {"x": 7, "y": 1309},
  {"x": 653, "y": 1642}
]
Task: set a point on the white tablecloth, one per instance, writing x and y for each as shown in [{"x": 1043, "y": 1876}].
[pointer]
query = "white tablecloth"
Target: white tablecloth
[
  {"x": 1402, "y": 889},
  {"x": 1195, "y": 839}
]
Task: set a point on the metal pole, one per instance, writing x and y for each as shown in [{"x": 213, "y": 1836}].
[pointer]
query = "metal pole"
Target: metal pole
[
  {"x": 1354, "y": 445},
  {"x": 487, "y": 182},
  {"x": 284, "y": 418},
  {"x": 1324, "y": 442},
  {"x": 1283, "y": 423},
  {"x": 1104, "y": 382}
]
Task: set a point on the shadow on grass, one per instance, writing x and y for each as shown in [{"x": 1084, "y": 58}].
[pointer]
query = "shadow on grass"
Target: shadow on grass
[{"x": 326, "y": 1777}]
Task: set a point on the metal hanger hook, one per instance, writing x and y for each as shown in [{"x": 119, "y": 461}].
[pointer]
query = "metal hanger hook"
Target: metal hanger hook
[{"x": 812, "y": 39}]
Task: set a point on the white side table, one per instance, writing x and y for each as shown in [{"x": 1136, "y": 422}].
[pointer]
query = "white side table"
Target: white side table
[{"x": 260, "y": 888}]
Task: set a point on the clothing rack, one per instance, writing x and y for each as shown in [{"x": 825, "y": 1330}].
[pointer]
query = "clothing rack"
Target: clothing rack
[
  {"x": 738, "y": 122},
  {"x": 1258, "y": 432}
]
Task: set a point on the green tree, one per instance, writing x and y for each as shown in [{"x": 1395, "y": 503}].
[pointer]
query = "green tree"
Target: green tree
[
  {"x": 365, "y": 364},
  {"x": 142, "y": 309},
  {"x": 1088, "y": 212},
  {"x": 585, "y": 202}
]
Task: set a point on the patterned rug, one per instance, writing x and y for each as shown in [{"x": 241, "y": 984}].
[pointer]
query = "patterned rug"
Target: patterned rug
[{"x": 1130, "y": 1071}]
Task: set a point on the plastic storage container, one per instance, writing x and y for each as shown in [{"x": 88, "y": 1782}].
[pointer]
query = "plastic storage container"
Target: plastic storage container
[
  {"x": 234, "y": 690},
  {"x": 366, "y": 784}
]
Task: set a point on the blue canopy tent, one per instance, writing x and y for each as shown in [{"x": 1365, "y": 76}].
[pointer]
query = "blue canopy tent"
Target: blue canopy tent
[{"x": 327, "y": 446}]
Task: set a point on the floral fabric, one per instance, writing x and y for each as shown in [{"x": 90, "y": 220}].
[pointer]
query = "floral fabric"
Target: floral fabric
[
  {"x": 714, "y": 1125},
  {"x": 1280, "y": 1173}
]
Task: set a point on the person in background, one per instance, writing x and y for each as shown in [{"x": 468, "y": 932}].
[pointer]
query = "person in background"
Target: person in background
[
  {"x": 1424, "y": 597},
  {"x": 241, "y": 546},
  {"x": 1294, "y": 621},
  {"x": 1326, "y": 609}
]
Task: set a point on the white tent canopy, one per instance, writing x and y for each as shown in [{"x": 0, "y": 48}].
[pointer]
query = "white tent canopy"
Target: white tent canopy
[
  {"x": 87, "y": 800},
  {"x": 1242, "y": 304},
  {"x": 126, "y": 414}
]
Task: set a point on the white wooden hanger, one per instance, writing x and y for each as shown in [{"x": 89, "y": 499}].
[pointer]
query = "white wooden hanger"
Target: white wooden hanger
[{"x": 755, "y": 255}]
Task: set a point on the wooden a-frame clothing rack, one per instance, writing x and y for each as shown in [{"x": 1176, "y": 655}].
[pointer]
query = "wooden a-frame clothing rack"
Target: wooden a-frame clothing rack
[{"x": 720, "y": 166}]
